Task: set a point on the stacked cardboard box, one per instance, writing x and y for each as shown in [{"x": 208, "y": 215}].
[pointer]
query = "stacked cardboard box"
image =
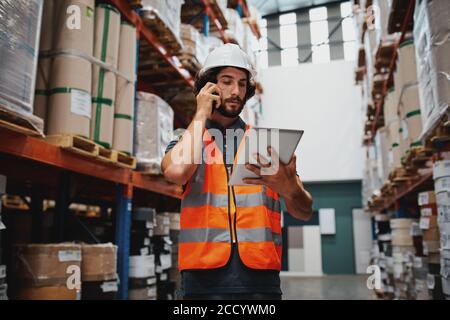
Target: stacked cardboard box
[
  {"x": 168, "y": 11},
  {"x": 432, "y": 45},
  {"x": 382, "y": 254},
  {"x": 163, "y": 256},
  {"x": 3, "y": 285},
  {"x": 174, "y": 273},
  {"x": 142, "y": 280},
  {"x": 47, "y": 271},
  {"x": 98, "y": 272},
  {"x": 402, "y": 253},
  {"x": 441, "y": 175},
  {"x": 154, "y": 131}
]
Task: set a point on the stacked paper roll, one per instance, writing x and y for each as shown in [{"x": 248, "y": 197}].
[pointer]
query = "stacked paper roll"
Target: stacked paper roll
[
  {"x": 124, "y": 104},
  {"x": 69, "y": 108},
  {"x": 106, "y": 49}
]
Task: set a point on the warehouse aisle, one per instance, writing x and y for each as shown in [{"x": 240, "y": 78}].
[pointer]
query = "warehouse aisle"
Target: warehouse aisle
[{"x": 336, "y": 287}]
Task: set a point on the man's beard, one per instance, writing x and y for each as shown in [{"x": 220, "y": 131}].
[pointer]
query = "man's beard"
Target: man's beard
[{"x": 231, "y": 113}]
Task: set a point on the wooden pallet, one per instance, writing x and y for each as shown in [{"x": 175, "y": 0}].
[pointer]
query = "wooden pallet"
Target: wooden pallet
[
  {"x": 20, "y": 122},
  {"x": 75, "y": 143},
  {"x": 14, "y": 202},
  {"x": 124, "y": 160}
]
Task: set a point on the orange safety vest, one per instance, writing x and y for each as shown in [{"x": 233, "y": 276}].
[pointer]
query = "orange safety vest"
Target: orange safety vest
[{"x": 214, "y": 215}]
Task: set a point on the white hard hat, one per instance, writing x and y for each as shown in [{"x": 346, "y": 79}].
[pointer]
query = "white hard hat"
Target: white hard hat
[{"x": 228, "y": 55}]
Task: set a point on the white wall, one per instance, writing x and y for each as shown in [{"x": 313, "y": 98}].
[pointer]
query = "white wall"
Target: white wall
[{"x": 322, "y": 100}]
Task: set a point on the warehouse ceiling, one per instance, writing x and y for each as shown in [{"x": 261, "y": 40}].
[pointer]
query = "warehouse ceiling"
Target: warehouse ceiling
[{"x": 266, "y": 7}]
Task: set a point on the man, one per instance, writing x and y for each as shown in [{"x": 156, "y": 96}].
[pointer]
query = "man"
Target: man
[{"x": 230, "y": 237}]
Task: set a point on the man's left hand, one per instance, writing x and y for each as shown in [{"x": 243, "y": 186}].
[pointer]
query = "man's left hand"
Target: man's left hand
[{"x": 283, "y": 181}]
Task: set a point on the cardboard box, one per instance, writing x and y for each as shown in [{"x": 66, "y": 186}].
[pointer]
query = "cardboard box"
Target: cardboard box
[
  {"x": 48, "y": 293},
  {"x": 99, "y": 262},
  {"x": 45, "y": 265}
]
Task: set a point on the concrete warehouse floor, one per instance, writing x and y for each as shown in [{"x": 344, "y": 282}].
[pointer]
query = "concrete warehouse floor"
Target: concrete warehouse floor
[{"x": 335, "y": 287}]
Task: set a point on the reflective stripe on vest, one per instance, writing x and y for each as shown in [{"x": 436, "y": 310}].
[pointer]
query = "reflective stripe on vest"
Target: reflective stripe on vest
[{"x": 242, "y": 200}]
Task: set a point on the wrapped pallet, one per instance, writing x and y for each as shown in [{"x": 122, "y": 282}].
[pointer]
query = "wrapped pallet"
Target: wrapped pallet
[
  {"x": 125, "y": 91},
  {"x": 432, "y": 44},
  {"x": 69, "y": 105},
  {"x": 168, "y": 11},
  {"x": 42, "y": 271},
  {"x": 154, "y": 131},
  {"x": 45, "y": 62},
  {"x": 412, "y": 114},
  {"x": 106, "y": 49},
  {"x": 19, "y": 40},
  {"x": 194, "y": 43},
  {"x": 235, "y": 30}
]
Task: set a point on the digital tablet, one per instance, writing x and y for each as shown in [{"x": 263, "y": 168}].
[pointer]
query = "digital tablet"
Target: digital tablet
[{"x": 285, "y": 143}]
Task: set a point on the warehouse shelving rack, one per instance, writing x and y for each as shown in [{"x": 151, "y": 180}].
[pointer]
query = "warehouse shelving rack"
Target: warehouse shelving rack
[
  {"x": 40, "y": 170},
  {"x": 436, "y": 142}
]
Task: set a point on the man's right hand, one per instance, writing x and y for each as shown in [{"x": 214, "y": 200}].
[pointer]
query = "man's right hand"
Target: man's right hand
[{"x": 205, "y": 99}]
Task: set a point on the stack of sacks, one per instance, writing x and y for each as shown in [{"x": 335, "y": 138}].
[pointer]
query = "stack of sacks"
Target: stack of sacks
[
  {"x": 441, "y": 175},
  {"x": 168, "y": 11},
  {"x": 235, "y": 30},
  {"x": 42, "y": 271},
  {"x": 19, "y": 40},
  {"x": 213, "y": 42},
  {"x": 154, "y": 131},
  {"x": 98, "y": 272},
  {"x": 432, "y": 42},
  {"x": 194, "y": 44},
  {"x": 250, "y": 44},
  {"x": 69, "y": 104}
]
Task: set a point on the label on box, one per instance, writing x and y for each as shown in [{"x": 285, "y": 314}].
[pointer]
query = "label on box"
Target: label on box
[
  {"x": 146, "y": 241},
  {"x": 163, "y": 277},
  {"x": 430, "y": 281},
  {"x": 149, "y": 224},
  {"x": 110, "y": 286},
  {"x": 424, "y": 223},
  {"x": 158, "y": 269},
  {"x": 81, "y": 103},
  {"x": 445, "y": 243},
  {"x": 2, "y": 271},
  {"x": 2, "y": 226},
  {"x": 151, "y": 281},
  {"x": 151, "y": 292},
  {"x": 167, "y": 247},
  {"x": 422, "y": 198},
  {"x": 425, "y": 248},
  {"x": 150, "y": 232},
  {"x": 69, "y": 255},
  {"x": 426, "y": 212},
  {"x": 418, "y": 262},
  {"x": 144, "y": 251}
]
